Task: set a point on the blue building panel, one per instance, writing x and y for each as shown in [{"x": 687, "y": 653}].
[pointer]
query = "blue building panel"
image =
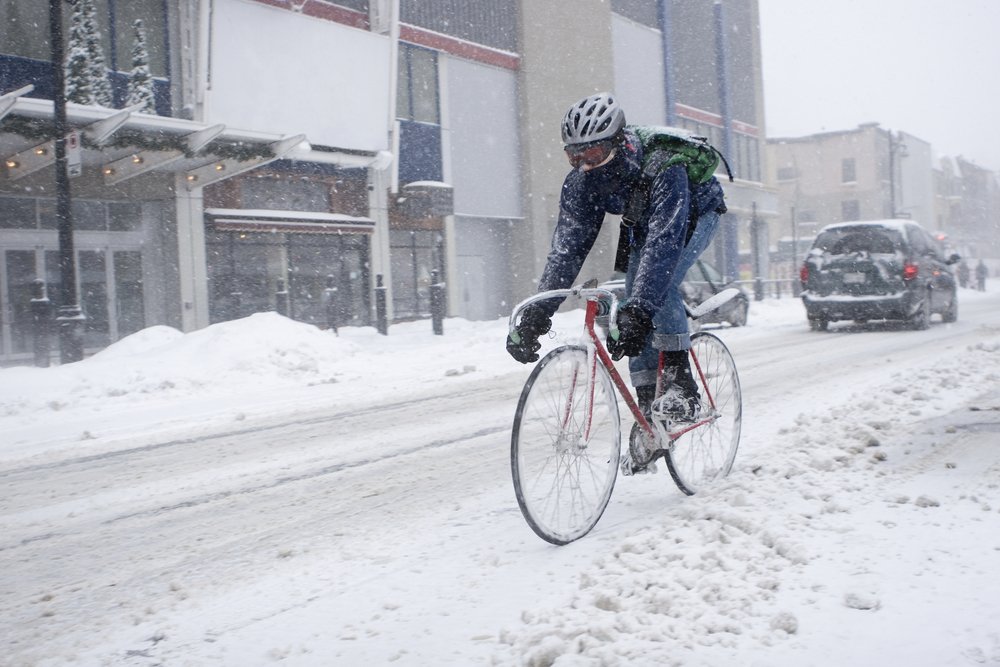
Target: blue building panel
[
  {"x": 16, "y": 72},
  {"x": 419, "y": 152}
]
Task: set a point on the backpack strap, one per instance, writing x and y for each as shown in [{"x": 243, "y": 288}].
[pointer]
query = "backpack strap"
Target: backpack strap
[
  {"x": 629, "y": 232},
  {"x": 729, "y": 172}
]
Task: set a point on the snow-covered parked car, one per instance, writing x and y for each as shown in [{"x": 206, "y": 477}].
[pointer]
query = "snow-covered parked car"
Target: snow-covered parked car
[
  {"x": 877, "y": 270},
  {"x": 701, "y": 282}
]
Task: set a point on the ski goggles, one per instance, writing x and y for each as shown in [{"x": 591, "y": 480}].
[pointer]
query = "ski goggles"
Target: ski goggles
[{"x": 589, "y": 155}]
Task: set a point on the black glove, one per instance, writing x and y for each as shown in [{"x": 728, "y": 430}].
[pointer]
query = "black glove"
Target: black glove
[
  {"x": 634, "y": 327},
  {"x": 534, "y": 322}
]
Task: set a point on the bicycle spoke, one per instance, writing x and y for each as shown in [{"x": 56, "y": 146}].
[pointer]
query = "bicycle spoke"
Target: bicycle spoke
[
  {"x": 706, "y": 453},
  {"x": 563, "y": 478}
]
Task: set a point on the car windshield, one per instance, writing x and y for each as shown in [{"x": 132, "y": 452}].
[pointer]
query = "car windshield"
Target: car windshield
[
  {"x": 847, "y": 240},
  {"x": 701, "y": 272}
]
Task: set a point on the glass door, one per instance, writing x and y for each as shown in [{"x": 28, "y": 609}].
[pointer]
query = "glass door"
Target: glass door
[
  {"x": 129, "y": 305},
  {"x": 15, "y": 301},
  {"x": 92, "y": 268}
]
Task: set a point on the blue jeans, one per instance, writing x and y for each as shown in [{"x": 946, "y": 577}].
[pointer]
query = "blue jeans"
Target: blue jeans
[{"x": 671, "y": 319}]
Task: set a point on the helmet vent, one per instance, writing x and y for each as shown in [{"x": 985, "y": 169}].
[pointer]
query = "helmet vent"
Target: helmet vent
[{"x": 594, "y": 118}]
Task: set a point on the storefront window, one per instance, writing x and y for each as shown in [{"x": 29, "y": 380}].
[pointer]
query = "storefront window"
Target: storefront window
[
  {"x": 94, "y": 298},
  {"x": 89, "y": 215},
  {"x": 124, "y": 217},
  {"x": 416, "y": 255},
  {"x": 24, "y": 28},
  {"x": 246, "y": 269},
  {"x": 153, "y": 18},
  {"x": 279, "y": 194},
  {"x": 128, "y": 291},
  {"x": 20, "y": 274},
  {"x": 17, "y": 213}
]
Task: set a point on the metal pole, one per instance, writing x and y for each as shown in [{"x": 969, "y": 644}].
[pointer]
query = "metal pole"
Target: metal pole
[
  {"x": 41, "y": 316},
  {"x": 70, "y": 318},
  {"x": 381, "y": 322},
  {"x": 437, "y": 305},
  {"x": 796, "y": 285},
  {"x": 892, "y": 177},
  {"x": 330, "y": 303}
]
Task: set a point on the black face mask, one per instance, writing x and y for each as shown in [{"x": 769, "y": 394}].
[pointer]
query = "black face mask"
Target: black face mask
[{"x": 612, "y": 182}]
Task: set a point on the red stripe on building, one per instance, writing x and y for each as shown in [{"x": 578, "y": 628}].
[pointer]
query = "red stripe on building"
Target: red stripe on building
[
  {"x": 321, "y": 10},
  {"x": 711, "y": 118},
  {"x": 460, "y": 48},
  {"x": 432, "y": 40}
]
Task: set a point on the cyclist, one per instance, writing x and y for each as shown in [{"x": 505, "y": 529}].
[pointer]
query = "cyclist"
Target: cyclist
[{"x": 607, "y": 160}]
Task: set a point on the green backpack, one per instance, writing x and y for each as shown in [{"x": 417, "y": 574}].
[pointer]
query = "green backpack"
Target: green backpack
[
  {"x": 664, "y": 147},
  {"x": 667, "y": 146}
]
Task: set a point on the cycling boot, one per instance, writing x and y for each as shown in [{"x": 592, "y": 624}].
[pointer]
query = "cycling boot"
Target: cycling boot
[
  {"x": 644, "y": 396},
  {"x": 681, "y": 401}
]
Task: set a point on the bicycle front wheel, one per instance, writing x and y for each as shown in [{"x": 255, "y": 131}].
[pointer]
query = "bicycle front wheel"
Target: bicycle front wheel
[
  {"x": 706, "y": 454},
  {"x": 565, "y": 445}
]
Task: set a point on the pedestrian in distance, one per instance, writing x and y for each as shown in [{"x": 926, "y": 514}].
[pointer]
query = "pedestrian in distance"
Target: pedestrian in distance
[
  {"x": 963, "y": 274},
  {"x": 662, "y": 181},
  {"x": 981, "y": 273}
]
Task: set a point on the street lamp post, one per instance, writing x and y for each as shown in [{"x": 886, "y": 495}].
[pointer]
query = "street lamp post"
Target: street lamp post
[{"x": 69, "y": 317}]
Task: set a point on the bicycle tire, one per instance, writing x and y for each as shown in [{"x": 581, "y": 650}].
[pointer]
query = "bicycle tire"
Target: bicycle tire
[
  {"x": 706, "y": 454},
  {"x": 564, "y": 473}
]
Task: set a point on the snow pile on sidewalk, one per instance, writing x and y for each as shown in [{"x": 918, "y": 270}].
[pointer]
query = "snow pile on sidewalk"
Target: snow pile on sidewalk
[{"x": 818, "y": 535}]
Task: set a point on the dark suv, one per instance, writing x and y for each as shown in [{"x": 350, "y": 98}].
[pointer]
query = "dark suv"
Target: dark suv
[{"x": 883, "y": 269}]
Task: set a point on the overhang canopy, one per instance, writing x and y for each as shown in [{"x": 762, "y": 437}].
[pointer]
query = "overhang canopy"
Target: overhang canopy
[{"x": 124, "y": 143}]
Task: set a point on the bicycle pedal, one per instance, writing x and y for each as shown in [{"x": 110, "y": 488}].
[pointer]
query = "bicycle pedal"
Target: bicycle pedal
[{"x": 628, "y": 470}]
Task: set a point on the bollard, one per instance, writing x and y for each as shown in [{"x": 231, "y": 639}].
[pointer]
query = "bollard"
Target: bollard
[
  {"x": 282, "y": 303},
  {"x": 380, "y": 316},
  {"x": 330, "y": 304},
  {"x": 758, "y": 289},
  {"x": 437, "y": 305},
  {"x": 41, "y": 322}
]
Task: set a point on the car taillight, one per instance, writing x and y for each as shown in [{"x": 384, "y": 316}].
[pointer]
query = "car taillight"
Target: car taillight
[
  {"x": 804, "y": 274},
  {"x": 910, "y": 271}
]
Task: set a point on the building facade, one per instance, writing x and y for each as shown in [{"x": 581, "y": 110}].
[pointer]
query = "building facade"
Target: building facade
[
  {"x": 309, "y": 151},
  {"x": 871, "y": 173}
]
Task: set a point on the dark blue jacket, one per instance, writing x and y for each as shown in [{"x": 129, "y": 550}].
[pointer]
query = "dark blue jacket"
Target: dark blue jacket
[{"x": 662, "y": 229}]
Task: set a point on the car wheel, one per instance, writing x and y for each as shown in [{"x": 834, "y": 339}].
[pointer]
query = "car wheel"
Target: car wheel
[
  {"x": 921, "y": 319},
  {"x": 739, "y": 316},
  {"x": 951, "y": 313},
  {"x": 818, "y": 323}
]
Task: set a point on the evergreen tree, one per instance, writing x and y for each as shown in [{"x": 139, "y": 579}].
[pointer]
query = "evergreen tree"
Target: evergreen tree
[
  {"x": 86, "y": 76},
  {"x": 140, "y": 81}
]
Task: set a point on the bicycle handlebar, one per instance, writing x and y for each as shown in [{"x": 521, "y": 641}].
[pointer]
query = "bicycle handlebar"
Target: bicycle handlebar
[{"x": 586, "y": 290}]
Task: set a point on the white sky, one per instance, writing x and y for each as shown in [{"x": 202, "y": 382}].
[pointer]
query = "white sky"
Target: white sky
[{"x": 926, "y": 67}]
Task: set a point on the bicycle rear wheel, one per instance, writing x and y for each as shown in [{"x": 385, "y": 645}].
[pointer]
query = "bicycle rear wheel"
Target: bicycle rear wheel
[
  {"x": 564, "y": 460},
  {"x": 706, "y": 454}
]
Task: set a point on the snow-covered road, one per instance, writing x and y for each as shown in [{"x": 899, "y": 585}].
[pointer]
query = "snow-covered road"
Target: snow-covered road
[{"x": 255, "y": 524}]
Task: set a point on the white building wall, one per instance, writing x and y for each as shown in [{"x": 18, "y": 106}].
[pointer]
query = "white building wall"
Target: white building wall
[
  {"x": 284, "y": 72},
  {"x": 638, "y": 70},
  {"x": 483, "y": 138},
  {"x": 916, "y": 184},
  {"x": 482, "y": 161}
]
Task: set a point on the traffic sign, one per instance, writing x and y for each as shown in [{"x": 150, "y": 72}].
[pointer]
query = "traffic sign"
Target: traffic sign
[{"x": 73, "y": 154}]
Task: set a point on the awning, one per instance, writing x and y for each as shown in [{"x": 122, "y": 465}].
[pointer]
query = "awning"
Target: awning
[
  {"x": 299, "y": 222},
  {"x": 123, "y": 143}
]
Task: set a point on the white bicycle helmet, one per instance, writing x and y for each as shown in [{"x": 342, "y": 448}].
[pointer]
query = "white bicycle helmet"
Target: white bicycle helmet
[{"x": 593, "y": 118}]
